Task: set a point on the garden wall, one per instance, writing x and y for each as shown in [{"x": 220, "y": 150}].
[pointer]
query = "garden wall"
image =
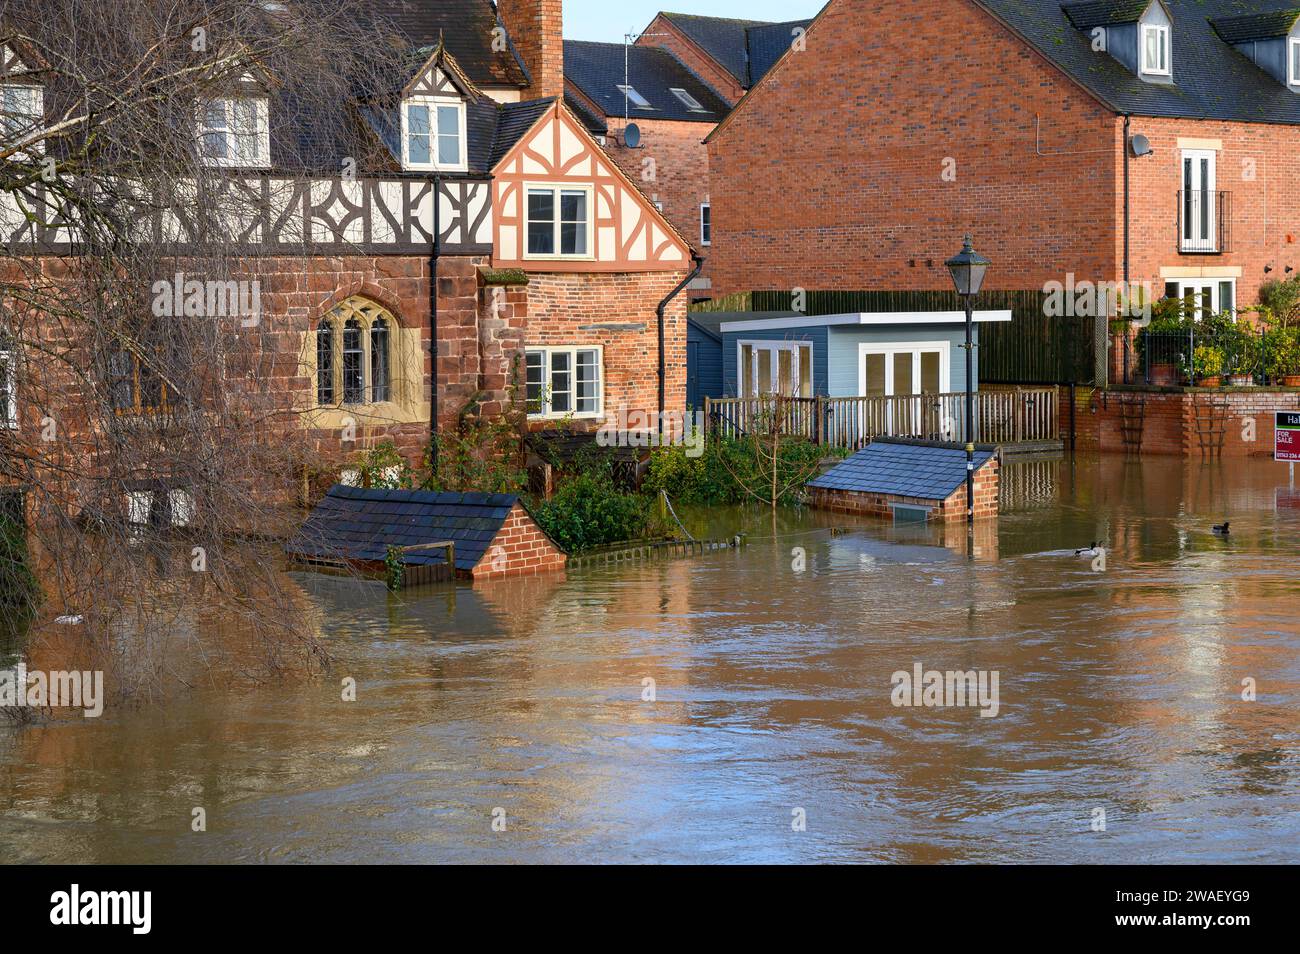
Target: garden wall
[{"x": 1235, "y": 422}]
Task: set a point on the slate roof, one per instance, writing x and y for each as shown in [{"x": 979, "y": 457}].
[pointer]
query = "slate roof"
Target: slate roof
[
  {"x": 1211, "y": 79},
  {"x": 513, "y": 120},
  {"x": 1091, "y": 13},
  {"x": 1257, "y": 26},
  {"x": 355, "y": 523},
  {"x": 465, "y": 26},
  {"x": 765, "y": 44},
  {"x": 595, "y": 123},
  {"x": 597, "y": 70},
  {"x": 909, "y": 470},
  {"x": 720, "y": 37},
  {"x": 744, "y": 48}
]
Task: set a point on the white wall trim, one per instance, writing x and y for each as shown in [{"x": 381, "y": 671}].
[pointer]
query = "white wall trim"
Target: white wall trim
[{"x": 866, "y": 318}]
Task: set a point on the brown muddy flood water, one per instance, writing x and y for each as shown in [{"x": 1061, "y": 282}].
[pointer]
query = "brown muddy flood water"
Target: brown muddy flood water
[{"x": 1119, "y": 690}]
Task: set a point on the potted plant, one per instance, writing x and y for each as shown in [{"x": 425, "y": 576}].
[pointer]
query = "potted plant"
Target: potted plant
[
  {"x": 1283, "y": 346},
  {"x": 1157, "y": 345},
  {"x": 1207, "y": 366},
  {"x": 1240, "y": 347}
]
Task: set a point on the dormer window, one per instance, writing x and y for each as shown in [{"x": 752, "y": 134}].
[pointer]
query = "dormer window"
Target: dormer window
[
  {"x": 433, "y": 133},
  {"x": 633, "y": 97},
  {"x": 1293, "y": 61},
  {"x": 1155, "y": 49},
  {"x": 22, "y": 108},
  {"x": 234, "y": 132}
]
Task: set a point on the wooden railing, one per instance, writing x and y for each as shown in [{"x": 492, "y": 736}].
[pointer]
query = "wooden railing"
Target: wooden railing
[{"x": 1002, "y": 416}]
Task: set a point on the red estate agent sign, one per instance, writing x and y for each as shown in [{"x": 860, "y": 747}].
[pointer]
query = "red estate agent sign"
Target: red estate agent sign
[{"x": 1286, "y": 436}]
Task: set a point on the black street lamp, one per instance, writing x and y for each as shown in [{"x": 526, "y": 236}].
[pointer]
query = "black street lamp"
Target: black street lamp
[{"x": 968, "y": 268}]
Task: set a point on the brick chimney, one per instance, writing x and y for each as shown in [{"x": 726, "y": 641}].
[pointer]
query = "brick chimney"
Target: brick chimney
[{"x": 536, "y": 28}]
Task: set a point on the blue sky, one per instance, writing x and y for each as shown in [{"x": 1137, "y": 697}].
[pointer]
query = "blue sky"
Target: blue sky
[{"x": 608, "y": 20}]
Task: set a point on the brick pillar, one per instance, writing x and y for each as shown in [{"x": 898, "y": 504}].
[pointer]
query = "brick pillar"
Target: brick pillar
[
  {"x": 457, "y": 372},
  {"x": 536, "y": 29},
  {"x": 503, "y": 316}
]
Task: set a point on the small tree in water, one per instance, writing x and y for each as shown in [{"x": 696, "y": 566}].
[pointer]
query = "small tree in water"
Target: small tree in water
[{"x": 774, "y": 460}]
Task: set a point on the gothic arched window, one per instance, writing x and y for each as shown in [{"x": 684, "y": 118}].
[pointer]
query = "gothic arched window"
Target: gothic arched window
[{"x": 354, "y": 354}]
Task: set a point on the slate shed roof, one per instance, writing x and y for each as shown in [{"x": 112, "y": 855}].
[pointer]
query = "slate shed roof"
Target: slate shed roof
[
  {"x": 597, "y": 70},
  {"x": 355, "y": 523},
  {"x": 1211, "y": 78},
  {"x": 909, "y": 470}
]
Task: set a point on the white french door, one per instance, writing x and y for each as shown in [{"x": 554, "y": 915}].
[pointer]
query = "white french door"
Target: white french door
[
  {"x": 1197, "y": 201},
  {"x": 915, "y": 369},
  {"x": 775, "y": 367}
]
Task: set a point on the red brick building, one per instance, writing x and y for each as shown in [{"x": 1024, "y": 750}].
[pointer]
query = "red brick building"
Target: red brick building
[
  {"x": 1109, "y": 140},
  {"x": 681, "y": 77},
  {"x": 486, "y": 250}
]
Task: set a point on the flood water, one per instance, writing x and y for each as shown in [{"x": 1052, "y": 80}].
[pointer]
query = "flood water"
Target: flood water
[{"x": 1120, "y": 690}]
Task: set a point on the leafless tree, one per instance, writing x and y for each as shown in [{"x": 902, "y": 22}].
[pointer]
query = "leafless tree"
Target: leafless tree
[{"x": 154, "y": 449}]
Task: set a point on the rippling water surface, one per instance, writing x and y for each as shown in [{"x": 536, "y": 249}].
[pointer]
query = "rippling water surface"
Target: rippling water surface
[{"x": 1120, "y": 690}]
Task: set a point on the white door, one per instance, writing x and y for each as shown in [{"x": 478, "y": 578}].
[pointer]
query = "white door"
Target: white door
[
  {"x": 1197, "y": 211},
  {"x": 897, "y": 371}
]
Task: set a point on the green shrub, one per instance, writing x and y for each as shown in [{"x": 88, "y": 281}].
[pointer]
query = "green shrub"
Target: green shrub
[
  {"x": 1279, "y": 299},
  {"x": 1207, "y": 362},
  {"x": 727, "y": 467},
  {"x": 486, "y": 457},
  {"x": 589, "y": 509},
  {"x": 1282, "y": 352}
]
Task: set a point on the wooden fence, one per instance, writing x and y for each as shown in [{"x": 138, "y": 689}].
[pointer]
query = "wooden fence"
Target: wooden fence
[
  {"x": 1002, "y": 416},
  {"x": 1034, "y": 347}
]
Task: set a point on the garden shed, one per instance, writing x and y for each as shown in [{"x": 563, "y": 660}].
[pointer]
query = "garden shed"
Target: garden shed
[
  {"x": 485, "y": 535},
  {"x": 908, "y": 480}
]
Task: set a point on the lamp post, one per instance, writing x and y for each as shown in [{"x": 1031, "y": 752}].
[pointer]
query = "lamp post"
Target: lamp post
[{"x": 967, "y": 268}]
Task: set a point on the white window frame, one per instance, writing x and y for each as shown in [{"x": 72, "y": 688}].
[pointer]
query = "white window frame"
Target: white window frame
[
  {"x": 775, "y": 346},
  {"x": 433, "y": 102},
  {"x": 556, "y": 188},
  {"x": 1165, "y": 34},
  {"x": 706, "y": 236},
  {"x": 36, "y": 112},
  {"x": 1211, "y": 284},
  {"x": 687, "y": 100},
  {"x": 1292, "y": 48},
  {"x": 632, "y": 96},
  {"x": 263, "y": 133},
  {"x": 546, "y": 412},
  {"x": 9, "y": 410},
  {"x": 1197, "y": 243},
  {"x": 889, "y": 349}
]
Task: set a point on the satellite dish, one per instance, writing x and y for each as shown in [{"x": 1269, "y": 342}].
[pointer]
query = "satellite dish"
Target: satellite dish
[
  {"x": 1140, "y": 145},
  {"x": 632, "y": 135}
]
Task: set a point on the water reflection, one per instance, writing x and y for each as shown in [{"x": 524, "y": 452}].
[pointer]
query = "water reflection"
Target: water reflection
[{"x": 1120, "y": 690}]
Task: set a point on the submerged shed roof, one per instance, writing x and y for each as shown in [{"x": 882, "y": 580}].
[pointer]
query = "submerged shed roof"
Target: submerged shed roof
[
  {"x": 905, "y": 469},
  {"x": 358, "y": 523}
]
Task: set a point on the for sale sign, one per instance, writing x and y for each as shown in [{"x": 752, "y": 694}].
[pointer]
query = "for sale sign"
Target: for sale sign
[{"x": 1286, "y": 436}]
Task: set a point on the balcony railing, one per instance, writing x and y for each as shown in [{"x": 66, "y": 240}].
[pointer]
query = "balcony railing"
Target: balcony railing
[{"x": 1203, "y": 220}]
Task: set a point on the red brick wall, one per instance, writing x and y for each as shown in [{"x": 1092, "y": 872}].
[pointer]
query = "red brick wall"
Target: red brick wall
[
  {"x": 829, "y": 176},
  {"x": 536, "y": 29},
  {"x": 564, "y": 307},
  {"x": 678, "y": 175},
  {"x": 1171, "y": 423},
  {"x": 520, "y": 548},
  {"x": 699, "y": 62},
  {"x": 1257, "y": 165}
]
